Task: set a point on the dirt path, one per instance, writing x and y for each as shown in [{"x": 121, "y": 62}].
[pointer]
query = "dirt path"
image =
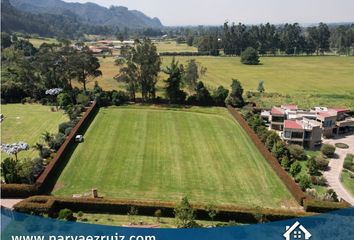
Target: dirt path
[{"x": 336, "y": 167}]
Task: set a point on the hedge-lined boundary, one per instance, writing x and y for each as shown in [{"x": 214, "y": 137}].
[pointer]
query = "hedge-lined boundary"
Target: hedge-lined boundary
[
  {"x": 312, "y": 205},
  {"x": 45, "y": 182},
  {"x": 18, "y": 190},
  {"x": 190, "y": 54},
  {"x": 52, "y": 205},
  {"x": 293, "y": 188},
  {"x": 50, "y": 174}
]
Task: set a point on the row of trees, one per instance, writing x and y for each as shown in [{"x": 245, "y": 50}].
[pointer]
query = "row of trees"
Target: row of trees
[
  {"x": 140, "y": 71},
  {"x": 271, "y": 39},
  {"x": 29, "y": 72}
]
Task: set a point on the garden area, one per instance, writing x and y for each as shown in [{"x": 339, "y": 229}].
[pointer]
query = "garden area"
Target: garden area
[{"x": 158, "y": 153}]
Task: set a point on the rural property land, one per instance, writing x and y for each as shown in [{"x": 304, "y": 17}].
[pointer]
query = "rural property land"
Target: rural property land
[
  {"x": 307, "y": 81},
  {"x": 163, "y": 154},
  {"x": 27, "y": 122}
]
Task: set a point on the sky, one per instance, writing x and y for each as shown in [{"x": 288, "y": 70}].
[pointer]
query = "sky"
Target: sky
[{"x": 216, "y": 12}]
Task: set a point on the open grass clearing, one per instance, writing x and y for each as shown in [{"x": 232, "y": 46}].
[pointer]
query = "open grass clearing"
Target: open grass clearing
[
  {"x": 307, "y": 81},
  {"x": 164, "y": 154},
  {"x": 27, "y": 122}
]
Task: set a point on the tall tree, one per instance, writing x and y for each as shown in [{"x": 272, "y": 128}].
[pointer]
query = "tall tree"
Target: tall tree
[
  {"x": 191, "y": 74},
  {"x": 235, "y": 98},
  {"x": 148, "y": 62},
  {"x": 86, "y": 67},
  {"x": 173, "y": 83}
]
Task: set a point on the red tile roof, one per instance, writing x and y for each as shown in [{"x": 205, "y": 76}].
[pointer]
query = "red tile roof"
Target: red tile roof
[
  {"x": 327, "y": 114},
  {"x": 339, "y": 110},
  {"x": 277, "y": 111},
  {"x": 289, "y": 124}
]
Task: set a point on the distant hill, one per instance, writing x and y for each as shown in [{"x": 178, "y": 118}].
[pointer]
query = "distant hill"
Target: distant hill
[
  {"x": 65, "y": 25},
  {"x": 90, "y": 13}
]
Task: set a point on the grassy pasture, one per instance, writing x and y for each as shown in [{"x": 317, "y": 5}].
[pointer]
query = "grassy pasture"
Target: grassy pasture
[
  {"x": 27, "y": 122},
  {"x": 172, "y": 46},
  {"x": 37, "y": 42},
  {"x": 164, "y": 154},
  {"x": 307, "y": 81}
]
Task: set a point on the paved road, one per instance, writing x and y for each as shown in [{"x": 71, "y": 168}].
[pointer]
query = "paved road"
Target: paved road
[
  {"x": 336, "y": 167},
  {"x": 9, "y": 203}
]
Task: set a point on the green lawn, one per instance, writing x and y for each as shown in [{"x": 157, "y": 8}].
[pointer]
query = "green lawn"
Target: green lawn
[
  {"x": 164, "y": 154},
  {"x": 348, "y": 182},
  {"x": 307, "y": 81},
  {"x": 26, "y": 122}
]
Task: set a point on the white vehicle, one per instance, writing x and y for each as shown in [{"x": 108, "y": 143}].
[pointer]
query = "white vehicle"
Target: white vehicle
[{"x": 79, "y": 138}]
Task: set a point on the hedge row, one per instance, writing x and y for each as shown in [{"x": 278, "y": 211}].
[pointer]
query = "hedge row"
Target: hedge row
[
  {"x": 51, "y": 205},
  {"x": 46, "y": 180},
  {"x": 50, "y": 174},
  {"x": 312, "y": 205},
  {"x": 185, "y": 54},
  {"x": 294, "y": 189},
  {"x": 18, "y": 190}
]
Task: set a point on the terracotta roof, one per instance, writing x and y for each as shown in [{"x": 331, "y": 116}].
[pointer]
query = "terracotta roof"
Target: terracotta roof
[
  {"x": 277, "y": 111},
  {"x": 327, "y": 114},
  {"x": 292, "y": 124},
  {"x": 339, "y": 110}
]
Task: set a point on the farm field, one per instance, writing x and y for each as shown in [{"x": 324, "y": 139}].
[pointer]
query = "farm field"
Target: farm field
[
  {"x": 164, "y": 154},
  {"x": 172, "y": 46},
  {"x": 27, "y": 122},
  {"x": 307, "y": 81}
]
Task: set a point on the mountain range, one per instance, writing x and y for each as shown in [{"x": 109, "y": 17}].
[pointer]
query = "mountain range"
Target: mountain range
[{"x": 89, "y": 13}]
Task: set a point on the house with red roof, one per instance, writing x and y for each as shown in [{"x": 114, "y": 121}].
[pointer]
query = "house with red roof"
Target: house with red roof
[{"x": 305, "y": 132}]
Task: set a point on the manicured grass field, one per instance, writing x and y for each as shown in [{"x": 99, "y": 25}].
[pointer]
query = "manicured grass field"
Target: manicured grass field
[
  {"x": 27, "y": 122},
  {"x": 348, "y": 182},
  {"x": 164, "y": 154},
  {"x": 307, "y": 81}
]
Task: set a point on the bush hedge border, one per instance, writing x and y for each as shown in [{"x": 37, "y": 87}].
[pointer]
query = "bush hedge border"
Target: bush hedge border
[
  {"x": 293, "y": 188},
  {"x": 52, "y": 205},
  {"x": 45, "y": 182}
]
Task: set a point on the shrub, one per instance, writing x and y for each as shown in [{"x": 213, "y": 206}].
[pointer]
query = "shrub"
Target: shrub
[
  {"x": 304, "y": 182},
  {"x": 331, "y": 195},
  {"x": 297, "y": 152},
  {"x": 295, "y": 169},
  {"x": 220, "y": 95},
  {"x": 82, "y": 99},
  {"x": 64, "y": 99},
  {"x": 322, "y": 163},
  {"x": 64, "y": 126},
  {"x": 66, "y": 214},
  {"x": 342, "y": 145},
  {"x": 312, "y": 166},
  {"x": 250, "y": 56},
  {"x": 279, "y": 150},
  {"x": 285, "y": 163},
  {"x": 158, "y": 214},
  {"x": 68, "y": 131},
  {"x": 328, "y": 150},
  {"x": 184, "y": 214},
  {"x": 312, "y": 205},
  {"x": 57, "y": 141},
  {"x": 119, "y": 97},
  {"x": 18, "y": 190},
  {"x": 45, "y": 152}
]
